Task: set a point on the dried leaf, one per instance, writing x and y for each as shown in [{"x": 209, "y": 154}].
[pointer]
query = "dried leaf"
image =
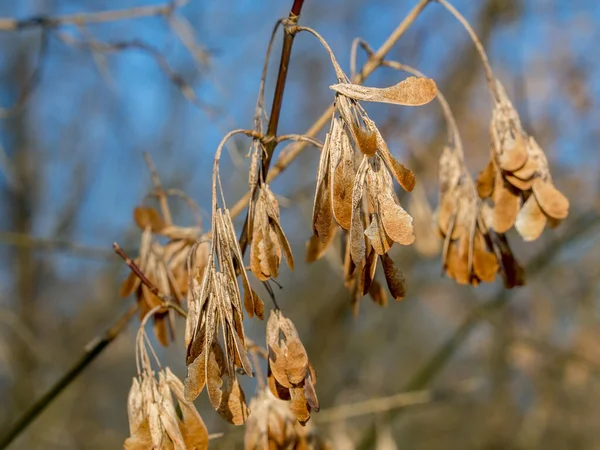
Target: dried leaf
[{"x": 413, "y": 91}]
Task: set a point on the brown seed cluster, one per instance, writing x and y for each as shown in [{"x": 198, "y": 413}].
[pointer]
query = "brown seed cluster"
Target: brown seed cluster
[
  {"x": 164, "y": 265},
  {"x": 154, "y": 421},
  {"x": 358, "y": 195},
  {"x": 217, "y": 305},
  {"x": 273, "y": 426},
  {"x": 268, "y": 240},
  {"x": 290, "y": 375},
  {"x": 472, "y": 252},
  {"x": 517, "y": 180}
]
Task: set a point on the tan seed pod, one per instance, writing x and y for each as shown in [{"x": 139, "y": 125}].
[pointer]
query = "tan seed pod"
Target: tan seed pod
[
  {"x": 531, "y": 220},
  {"x": 413, "y": 91},
  {"x": 550, "y": 199}
]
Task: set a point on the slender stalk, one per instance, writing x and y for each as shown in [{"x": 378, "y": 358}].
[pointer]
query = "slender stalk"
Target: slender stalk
[
  {"x": 92, "y": 350},
  {"x": 270, "y": 139},
  {"x": 489, "y": 73}
]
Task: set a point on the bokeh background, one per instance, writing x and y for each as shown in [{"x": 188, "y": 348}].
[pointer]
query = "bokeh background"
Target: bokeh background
[{"x": 71, "y": 172}]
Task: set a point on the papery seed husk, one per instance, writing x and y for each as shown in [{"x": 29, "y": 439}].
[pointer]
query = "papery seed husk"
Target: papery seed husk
[
  {"x": 279, "y": 391},
  {"x": 366, "y": 141},
  {"x": 485, "y": 181},
  {"x": 298, "y": 404},
  {"x": 550, "y": 199},
  {"x": 141, "y": 439},
  {"x": 449, "y": 171},
  {"x": 129, "y": 285},
  {"x": 485, "y": 264},
  {"x": 457, "y": 265},
  {"x": 522, "y": 185},
  {"x": 322, "y": 214},
  {"x": 396, "y": 221},
  {"x": 514, "y": 157},
  {"x": 394, "y": 278},
  {"x": 342, "y": 185},
  {"x": 413, "y": 91},
  {"x": 233, "y": 406},
  {"x": 148, "y": 217},
  {"x": 296, "y": 362},
  {"x": 506, "y": 206},
  {"x": 405, "y": 177},
  {"x": 531, "y": 220},
  {"x": 527, "y": 171},
  {"x": 284, "y": 243},
  {"x": 376, "y": 234}
]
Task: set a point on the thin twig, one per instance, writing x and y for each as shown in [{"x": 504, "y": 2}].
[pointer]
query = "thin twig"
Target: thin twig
[
  {"x": 144, "y": 279},
  {"x": 46, "y": 244},
  {"x": 489, "y": 73},
  {"x": 393, "y": 402},
  {"x": 270, "y": 141},
  {"x": 164, "y": 9},
  {"x": 92, "y": 350}
]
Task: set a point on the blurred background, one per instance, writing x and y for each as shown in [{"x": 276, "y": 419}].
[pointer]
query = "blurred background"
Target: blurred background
[{"x": 81, "y": 103}]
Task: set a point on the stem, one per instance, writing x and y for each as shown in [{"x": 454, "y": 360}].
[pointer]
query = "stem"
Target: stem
[
  {"x": 489, "y": 73},
  {"x": 373, "y": 63},
  {"x": 92, "y": 350},
  {"x": 270, "y": 140}
]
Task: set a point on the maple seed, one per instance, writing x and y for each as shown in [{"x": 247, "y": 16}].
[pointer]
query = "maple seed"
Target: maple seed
[{"x": 413, "y": 91}]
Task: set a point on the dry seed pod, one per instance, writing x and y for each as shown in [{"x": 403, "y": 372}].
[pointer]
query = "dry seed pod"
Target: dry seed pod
[
  {"x": 268, "y": 241},
  {"x": 153, "y": 420},
  {"x": 469, "y": 255},
  {"x": 290, "y": 375},
  {"x": 517, "y": 173},
  {"x": 413, "y": 91},
  {"x": 164, "y": 266},
  {"x": 219, "y": 302},
  {"x": 273, "y": 426}
]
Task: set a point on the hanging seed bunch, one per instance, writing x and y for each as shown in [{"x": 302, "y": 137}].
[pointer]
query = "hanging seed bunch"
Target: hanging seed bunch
[
  {"x": 290, "y": 375},
  {"x": 154, "y": 421},
  {"x": 164, "y": 265},
  {"x": 358, "y": 193},
  {"x": 517, "y": 180},
  {"x": 472, "y": 252},
  {"x": 268, "y": 241},
  {"x": 213, "y": 360},
  {"x": 273, "y": 426}
]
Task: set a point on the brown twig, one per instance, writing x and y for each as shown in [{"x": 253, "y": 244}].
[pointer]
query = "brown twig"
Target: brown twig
[
  {"x": 144, "y": 279},
  {"x": 270, "y": 139}
]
